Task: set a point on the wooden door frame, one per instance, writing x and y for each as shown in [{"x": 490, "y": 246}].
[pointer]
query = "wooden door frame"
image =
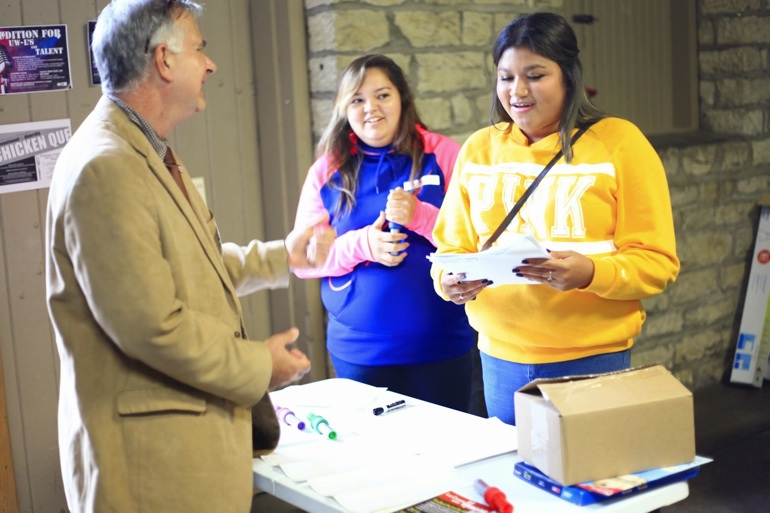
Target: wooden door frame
[{"x": 284, "y": 126}]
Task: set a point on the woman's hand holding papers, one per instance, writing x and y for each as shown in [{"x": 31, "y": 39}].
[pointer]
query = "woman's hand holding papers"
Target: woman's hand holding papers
[
  {"x": 460, "y": 291},
  {"x": 565, "y": 270}
]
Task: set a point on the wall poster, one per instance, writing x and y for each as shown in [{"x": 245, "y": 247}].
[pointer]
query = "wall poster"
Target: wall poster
[
  {"x": 34, "y": 59},
  {"x": 28, "y": 153}
]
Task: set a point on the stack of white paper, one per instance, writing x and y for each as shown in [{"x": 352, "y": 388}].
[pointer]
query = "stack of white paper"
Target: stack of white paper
[{"x": 495, "y": 264}]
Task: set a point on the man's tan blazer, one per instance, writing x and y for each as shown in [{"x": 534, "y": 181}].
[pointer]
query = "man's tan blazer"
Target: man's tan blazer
[{"x": 157, "y": 377}]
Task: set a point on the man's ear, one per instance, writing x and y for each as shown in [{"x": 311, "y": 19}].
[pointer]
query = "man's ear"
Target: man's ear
[{"x": 162, "y": 59}]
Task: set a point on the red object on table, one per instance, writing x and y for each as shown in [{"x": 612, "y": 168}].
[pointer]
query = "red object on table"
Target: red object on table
[{"x": 494, "y": 497}]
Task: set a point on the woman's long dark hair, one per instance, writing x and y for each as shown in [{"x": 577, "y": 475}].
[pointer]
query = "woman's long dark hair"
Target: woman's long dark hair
[
  {"x": 338, "y": 140},
  {"x": 549, "y": 35}
]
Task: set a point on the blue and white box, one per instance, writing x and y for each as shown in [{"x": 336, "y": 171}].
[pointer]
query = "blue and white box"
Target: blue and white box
[{"x": 750, "y": 365}]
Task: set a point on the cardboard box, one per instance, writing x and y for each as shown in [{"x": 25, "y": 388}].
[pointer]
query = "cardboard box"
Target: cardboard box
[
  {"x": 585, "y": 428},
  {"x": 750, "y": 365}
]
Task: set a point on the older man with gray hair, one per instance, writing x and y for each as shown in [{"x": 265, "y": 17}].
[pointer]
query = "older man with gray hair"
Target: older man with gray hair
[{"x": 160, "y": 386}]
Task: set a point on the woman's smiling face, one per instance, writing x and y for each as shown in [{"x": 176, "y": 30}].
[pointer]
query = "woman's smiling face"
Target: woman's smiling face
[
  {"x": 374, "y": 111},
  {"x": 532, "y": 91}
]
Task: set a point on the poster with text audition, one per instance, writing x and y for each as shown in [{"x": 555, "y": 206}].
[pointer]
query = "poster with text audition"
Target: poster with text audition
[
  {"x": 28, "y": 153},
  {"x": 34, "y": 59}
]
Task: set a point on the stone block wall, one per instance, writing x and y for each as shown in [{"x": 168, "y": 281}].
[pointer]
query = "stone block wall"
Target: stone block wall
[
  {"x": 444, "y": 46},
  {"x": 715, "y": 175}
]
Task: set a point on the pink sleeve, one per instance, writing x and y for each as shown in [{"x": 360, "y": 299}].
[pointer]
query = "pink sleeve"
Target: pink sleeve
[
  {"x": 446, "y": 151},
  {"x": 424, "y": 219},
  {"x": 348, "y": 249},
  {"x": 444, "y": 148}
]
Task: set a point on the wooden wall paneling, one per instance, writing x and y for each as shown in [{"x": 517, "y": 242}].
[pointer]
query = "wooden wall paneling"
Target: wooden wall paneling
[
  {"x": 256, "y": 306},
  {"x": 8, "y": 500},
  {"x": 35, "y": 354},
  {"x": 231, "y": 127},
  {"x": 285, "y": 137},
  {"x": 246, "y": 107},
  {"x": 14, "y": 108},
  {"x": 306, "y": 293},
  {"x": 270, "y": 122}
]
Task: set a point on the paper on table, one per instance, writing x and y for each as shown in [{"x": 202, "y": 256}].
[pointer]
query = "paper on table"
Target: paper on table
[
  {"x": 388, "y": 484},
  {"x": 308, "y": 461},
  {"x": 494, "y": 264},
  {"x": 442, "y": 435},
  {"x": 376, "y": 472}
]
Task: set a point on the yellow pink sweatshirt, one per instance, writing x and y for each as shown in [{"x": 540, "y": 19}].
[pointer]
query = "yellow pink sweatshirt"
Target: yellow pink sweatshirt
[{"x": 611, "y": 203}]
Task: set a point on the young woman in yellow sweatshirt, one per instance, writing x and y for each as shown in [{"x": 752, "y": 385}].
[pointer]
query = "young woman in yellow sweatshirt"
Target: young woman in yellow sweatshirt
[{"x": 603, "y": 211}]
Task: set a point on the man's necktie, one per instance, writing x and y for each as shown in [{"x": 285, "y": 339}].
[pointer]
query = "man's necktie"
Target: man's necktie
[{"x": 176, "y": 171}]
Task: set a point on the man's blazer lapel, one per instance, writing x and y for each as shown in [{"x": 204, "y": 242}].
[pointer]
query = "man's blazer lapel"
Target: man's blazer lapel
[{"x": 193, "y": 210}]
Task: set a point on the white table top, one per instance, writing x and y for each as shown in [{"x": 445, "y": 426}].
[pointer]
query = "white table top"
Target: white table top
[{"x": 496, "y": 471}]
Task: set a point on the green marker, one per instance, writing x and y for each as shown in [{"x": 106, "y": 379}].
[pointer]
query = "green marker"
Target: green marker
[{"x": 321, "y": 426}]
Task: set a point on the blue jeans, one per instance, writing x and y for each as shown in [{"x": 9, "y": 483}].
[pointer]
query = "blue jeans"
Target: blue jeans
[
  {"x": 502, "y": 378},
  {"x": 447, "y": 383}
]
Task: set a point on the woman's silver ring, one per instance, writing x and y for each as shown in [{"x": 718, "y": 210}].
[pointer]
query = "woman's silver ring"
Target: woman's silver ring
[
  {"x": 461, "y": 297},
  {"x": 550, "y": 275}
]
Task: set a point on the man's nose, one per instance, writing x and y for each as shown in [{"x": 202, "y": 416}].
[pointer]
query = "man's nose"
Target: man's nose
[{"x": 211, "y": 66}]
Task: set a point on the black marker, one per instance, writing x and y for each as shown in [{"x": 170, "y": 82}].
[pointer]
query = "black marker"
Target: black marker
[{"x": 389, "y": 407}]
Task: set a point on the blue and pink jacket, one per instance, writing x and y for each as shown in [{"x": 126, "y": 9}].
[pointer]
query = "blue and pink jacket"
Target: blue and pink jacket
[{"x": 379, "y": 315}]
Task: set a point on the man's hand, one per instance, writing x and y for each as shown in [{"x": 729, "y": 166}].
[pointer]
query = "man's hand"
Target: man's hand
[
  {"x": 309, "y": 246},
  {"x": 289, "y": 365}
]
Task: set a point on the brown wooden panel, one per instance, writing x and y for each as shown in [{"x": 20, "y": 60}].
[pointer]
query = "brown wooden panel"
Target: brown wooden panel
[
  {"x": 8, "y": 502},
  {"x": 35, "y": 355},
  {"x": 284, "y": 128}
]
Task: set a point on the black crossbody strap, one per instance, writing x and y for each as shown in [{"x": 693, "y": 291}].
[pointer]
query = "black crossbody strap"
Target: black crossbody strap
[{"x": 524, "y": 197}]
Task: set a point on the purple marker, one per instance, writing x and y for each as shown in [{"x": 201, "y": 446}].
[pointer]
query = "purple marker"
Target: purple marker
[{"x": 289, "y": 418}]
